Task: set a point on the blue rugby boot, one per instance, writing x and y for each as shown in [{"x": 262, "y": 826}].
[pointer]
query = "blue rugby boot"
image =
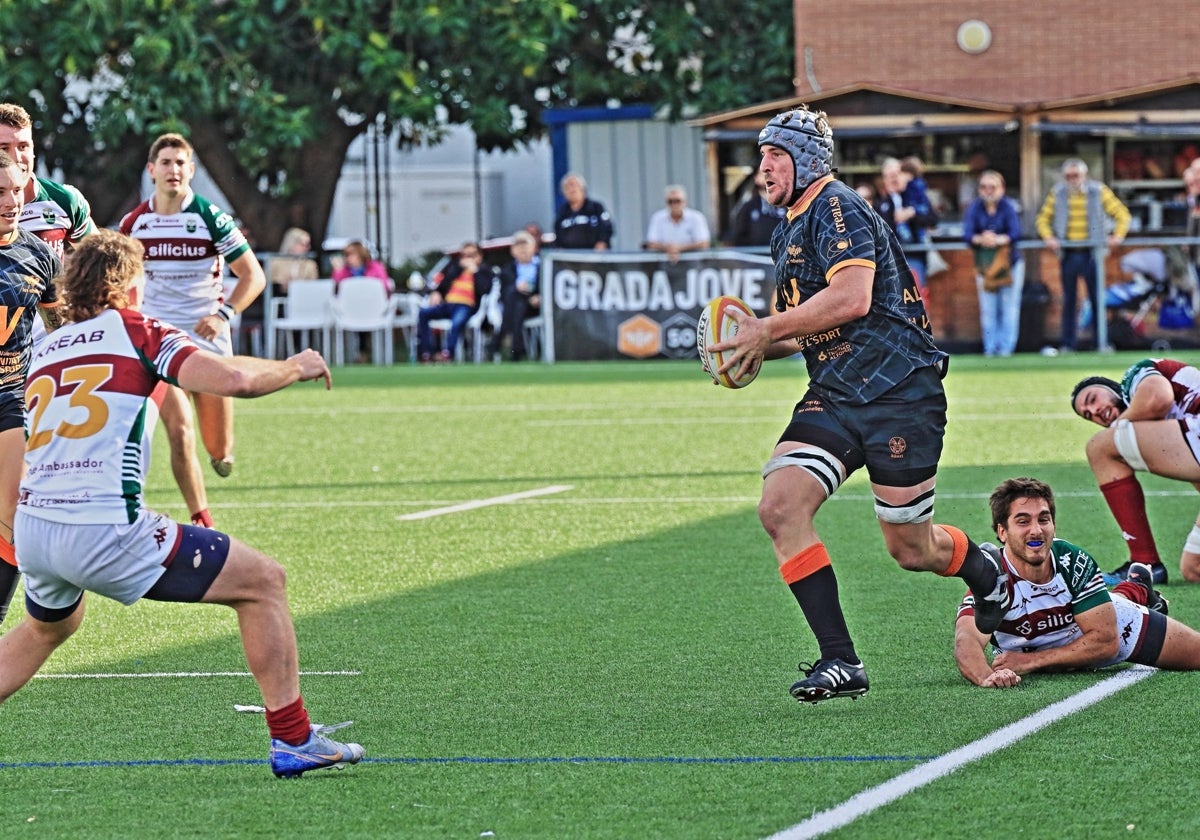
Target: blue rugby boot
[{"x": 318, "y": 752}]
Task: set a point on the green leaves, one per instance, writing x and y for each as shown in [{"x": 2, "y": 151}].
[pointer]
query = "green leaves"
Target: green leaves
[{"x": 268, "y": 86}]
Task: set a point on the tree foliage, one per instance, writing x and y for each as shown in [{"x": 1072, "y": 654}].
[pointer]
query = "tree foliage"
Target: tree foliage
[{"x": 273, "y": 92}]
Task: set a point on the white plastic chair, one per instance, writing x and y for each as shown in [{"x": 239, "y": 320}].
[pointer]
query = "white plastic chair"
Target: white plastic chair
[
  {"x": 535, "y": 329},
  {"x": 363, "y": 305},
  {"x": 406, "y": 307},
  {"x": 490, "y": 312},
  {"x": 306, "y": 309}
]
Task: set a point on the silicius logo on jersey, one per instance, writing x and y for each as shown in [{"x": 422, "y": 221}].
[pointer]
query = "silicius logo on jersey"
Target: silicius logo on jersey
[{"x": 176, "y": 250}]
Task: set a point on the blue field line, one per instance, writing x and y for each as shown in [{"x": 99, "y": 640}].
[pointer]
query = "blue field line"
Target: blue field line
[{"x": 479, "y": 759}]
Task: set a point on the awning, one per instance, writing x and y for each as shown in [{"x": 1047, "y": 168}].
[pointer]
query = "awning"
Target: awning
[
  {"x": 911, "y": 130},
  {"x": 1141, "y": 129}
]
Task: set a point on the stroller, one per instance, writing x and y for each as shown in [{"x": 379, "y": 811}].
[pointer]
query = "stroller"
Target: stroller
[{"x": 1162, "y": 280}]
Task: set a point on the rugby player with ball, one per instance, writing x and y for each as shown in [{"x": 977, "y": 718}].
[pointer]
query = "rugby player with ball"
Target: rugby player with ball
[{"x": 846, "y": 298}]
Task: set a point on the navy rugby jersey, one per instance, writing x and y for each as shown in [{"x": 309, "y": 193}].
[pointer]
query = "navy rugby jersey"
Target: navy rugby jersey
[
  {"x": 864, "y": 358},
  {"x": 28, "y": 269}
]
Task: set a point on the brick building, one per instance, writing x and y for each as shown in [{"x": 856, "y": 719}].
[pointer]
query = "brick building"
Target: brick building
[{"x": 1021, "y": 85}]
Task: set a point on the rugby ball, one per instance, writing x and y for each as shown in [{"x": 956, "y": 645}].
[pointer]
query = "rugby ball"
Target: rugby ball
[{"x": 717, "y": 324}]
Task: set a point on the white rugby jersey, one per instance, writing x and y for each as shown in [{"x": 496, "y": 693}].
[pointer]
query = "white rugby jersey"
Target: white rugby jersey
[
  {"x": 57, "y": 215},
  {"x": 86, "y": 409},
  {"x": 185, "y": 256},
  {"x": 1042, "y": 615}
]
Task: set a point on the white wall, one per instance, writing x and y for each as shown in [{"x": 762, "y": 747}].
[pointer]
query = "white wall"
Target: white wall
[
  {"x": 435, "y": 202},
  {"x": 627, "y": 165}
]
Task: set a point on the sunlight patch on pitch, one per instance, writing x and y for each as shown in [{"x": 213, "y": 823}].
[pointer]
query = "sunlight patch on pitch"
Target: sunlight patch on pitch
[
  {"x": 481, "y": 503},
  {"x": 872, "y": 799}
]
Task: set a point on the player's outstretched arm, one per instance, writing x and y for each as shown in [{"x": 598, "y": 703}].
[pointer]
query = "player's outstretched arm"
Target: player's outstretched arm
[
  {"x": 970, "y": 654},
  {"x": 247, "y": 376},
  {"x": 1152, "y": 399},
  {"x": 1097, "y": 645}
]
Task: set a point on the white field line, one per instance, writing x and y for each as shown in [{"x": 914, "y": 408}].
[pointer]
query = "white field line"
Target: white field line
[
  {"x": 876, "y": 797},
  {"x": 740, "y": 401},
  {"x": 628, "y": 500},
  {"x": 600, "y": 422},
  {"x": 479, "y": 503},
  {"x": 183, "y": 674}
]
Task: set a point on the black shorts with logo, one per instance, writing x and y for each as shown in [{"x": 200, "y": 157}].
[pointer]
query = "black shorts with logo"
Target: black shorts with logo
[
  {"x": 12, "y": 410},
  {"x": 898, "y": 436}
]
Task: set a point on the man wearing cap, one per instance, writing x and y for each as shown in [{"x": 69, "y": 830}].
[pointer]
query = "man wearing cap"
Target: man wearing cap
[
  {"x": 846, "y": 299},
  {"x": 1151, "y": 421}
]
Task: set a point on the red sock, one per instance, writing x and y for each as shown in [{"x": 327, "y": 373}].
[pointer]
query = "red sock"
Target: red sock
[
  {"x": 290, "y": 724},
  {"x": 1133, "y": 591},
  {"x": 1128, "y": 505},
  {"x": 202, "y": 518}
]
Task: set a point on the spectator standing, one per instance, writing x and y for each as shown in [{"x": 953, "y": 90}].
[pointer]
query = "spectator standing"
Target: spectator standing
[
  {"x": 459, "y": 291},
  {"x": 677, "y": 227},
  {"x": 755, "y": 219},
  {"x": 582, "y": 222},
  {"x": 1079, "y": 209},
  {"x": 187, "y": 240},
  {"x": 83, "y": 526},
  {"x": 992, "y": 227},
  {"x": 1191, "y": 188},
  {"x": 968, "y": 184},
  {"x": 519, "y": 295},
  {"x": 293, "y": 262},
  {"x": 905, "y": 206}
]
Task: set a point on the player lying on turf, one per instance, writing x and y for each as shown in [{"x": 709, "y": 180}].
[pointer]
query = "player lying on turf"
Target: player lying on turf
[
  {"x": 81, "y": 524},
  {"x": 1151, "y": 424},
  {"x": 1062, "y": 617}
]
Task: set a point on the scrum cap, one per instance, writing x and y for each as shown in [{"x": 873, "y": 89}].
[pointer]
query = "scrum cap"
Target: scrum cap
[
  {"x": 1102, "y": 381},
  {"x": 807, "y": 137}
]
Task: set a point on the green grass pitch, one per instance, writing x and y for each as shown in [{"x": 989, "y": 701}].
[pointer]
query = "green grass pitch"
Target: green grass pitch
[{"x": 604, "y": 654}]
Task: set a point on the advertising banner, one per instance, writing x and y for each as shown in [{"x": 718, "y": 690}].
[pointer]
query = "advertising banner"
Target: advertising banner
[{"x": 606, "y": 305}]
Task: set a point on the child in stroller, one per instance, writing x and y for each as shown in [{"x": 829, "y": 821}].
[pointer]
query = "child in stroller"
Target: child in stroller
[{"x": 1161, "y": 279}]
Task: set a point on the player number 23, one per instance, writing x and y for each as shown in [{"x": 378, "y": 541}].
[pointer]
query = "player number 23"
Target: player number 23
[{"x": 86, "y": 379}]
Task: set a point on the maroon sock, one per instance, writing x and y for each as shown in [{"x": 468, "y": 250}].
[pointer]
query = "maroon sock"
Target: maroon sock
[
  {"x": 1133, "y": 591},
  {"x": 289, "y": 724},
  {"x": 1128, "y": 505}
]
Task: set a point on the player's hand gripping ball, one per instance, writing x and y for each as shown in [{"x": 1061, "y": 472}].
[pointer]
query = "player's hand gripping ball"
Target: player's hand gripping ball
[{"x": 715, "y": 325}]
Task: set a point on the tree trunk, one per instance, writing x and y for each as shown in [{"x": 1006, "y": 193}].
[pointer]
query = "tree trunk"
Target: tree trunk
[{"x": 267, "y": 217}]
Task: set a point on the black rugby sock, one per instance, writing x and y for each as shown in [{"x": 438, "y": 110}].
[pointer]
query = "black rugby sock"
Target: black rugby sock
[{"x": 817, "y": 596}]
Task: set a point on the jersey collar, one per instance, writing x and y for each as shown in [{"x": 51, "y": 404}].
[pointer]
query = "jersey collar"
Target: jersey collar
[{"x": 807, "y": 198}]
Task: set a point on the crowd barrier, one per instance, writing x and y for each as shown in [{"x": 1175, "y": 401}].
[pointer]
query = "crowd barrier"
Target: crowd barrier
[{"x": 602, "y": 305}]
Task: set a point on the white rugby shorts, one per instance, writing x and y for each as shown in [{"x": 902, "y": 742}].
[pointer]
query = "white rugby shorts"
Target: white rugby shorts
[{"x": 121, "y": 561}]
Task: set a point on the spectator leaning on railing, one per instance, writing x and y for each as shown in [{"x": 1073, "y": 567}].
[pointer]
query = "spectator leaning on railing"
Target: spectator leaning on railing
[
  {"x": 677, "y": 227},
  {"x": 1078, "y": 209}
]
